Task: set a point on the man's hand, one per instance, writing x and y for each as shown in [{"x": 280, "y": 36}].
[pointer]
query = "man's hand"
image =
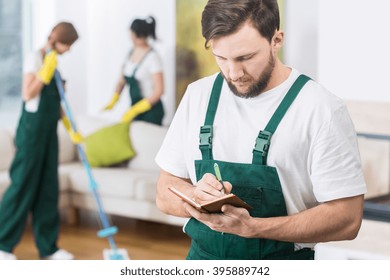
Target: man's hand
[
  {"x": 209, "y": 188},
  {"x": 233, "y": 220}
]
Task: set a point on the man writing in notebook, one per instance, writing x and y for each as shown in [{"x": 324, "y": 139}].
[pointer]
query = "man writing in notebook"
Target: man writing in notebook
[{"x": 283, "y": 144}]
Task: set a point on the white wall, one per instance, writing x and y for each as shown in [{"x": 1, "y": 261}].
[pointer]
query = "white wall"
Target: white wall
[
  {"x": 342, "y": 44},
  {"x": 93, "y": 66},
  {"x": 301, "y": 35},
  {"x": 354, "y": 46},
  {"x": 43, "y": 19}
]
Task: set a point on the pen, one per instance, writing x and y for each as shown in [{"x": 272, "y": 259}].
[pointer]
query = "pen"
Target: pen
[{"x": 219, "y": 177}]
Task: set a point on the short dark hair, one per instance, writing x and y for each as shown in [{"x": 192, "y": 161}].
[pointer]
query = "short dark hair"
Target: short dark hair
[
  {"x": 224, "y": 17},
  {"x": 144, "y": 28}
]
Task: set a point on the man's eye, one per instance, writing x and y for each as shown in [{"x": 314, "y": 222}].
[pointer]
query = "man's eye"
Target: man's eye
[
  {"x": 244, "y": 58},
  {"x": 221, "y": 59}
]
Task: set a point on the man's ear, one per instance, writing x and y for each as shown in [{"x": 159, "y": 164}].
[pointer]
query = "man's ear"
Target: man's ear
[{"x": 277, "y": 40}]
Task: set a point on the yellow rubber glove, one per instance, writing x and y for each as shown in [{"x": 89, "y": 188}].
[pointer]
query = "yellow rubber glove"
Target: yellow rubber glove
[
  {"x": 76, "y": 137},
  {"x": 45, "y": 74},
  {"x": 138, "y": 108},
  {"x": 113, "y": 101}
]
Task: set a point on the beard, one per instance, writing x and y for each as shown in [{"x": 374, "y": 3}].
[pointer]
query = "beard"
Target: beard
[{"x": 259, "y": 85}]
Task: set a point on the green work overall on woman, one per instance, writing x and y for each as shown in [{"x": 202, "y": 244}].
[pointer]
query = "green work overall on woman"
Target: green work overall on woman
[
  {"x": 257, "y": 183},
  {"x": 34, "y": 177},
  {"x": 156, "y": 113}
]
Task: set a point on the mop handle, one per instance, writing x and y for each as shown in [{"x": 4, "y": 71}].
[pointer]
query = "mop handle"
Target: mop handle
[
  {"x": 83, "y": 157},
  {"x": 68, "y": 113},
  {"x": 107, "y": 231},
  {"x": 61, "y": 90}
]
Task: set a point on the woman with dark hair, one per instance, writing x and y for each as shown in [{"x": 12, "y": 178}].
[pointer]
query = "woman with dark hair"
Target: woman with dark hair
[
  {"x": 34, "y": 170},
  {"x": 142, "y": 71}
]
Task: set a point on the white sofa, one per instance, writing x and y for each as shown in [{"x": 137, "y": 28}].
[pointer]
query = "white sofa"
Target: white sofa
[{"x": 128, "y": 191}]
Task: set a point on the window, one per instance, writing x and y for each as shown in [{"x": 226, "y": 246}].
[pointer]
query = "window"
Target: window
[{"x": 11, "y": 61}]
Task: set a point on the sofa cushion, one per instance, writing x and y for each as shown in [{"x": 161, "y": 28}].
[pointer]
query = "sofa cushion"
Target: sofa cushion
[
  {"x": 4, "y": 182},
  {"x": 112, "y": 182},
  {"x": 109, "y": 145},
  {"x": 7, "y": 149},
  {"x": 67, "y": 150},
  {"x": 64, "y": 171},
  {"x": 88, "y": 124},
  {"x": 146, "y": 139},
  {"x": 146, "y": 188}
]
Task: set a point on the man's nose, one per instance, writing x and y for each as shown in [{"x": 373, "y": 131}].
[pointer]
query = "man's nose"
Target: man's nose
[{"x": 235, "y": 71}]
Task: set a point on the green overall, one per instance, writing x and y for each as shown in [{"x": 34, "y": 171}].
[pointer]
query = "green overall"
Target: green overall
[
  {"x": 156, "y": 113},
  {"x": 34, "y": 178},
  {"x": 256, "y": 183}
]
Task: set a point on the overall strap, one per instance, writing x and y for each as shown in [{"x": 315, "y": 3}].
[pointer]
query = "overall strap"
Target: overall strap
[
  {"x": 260, "y": 152},
  {"x": 140, "y": 62},
  {"x": 206, "y": 131}
]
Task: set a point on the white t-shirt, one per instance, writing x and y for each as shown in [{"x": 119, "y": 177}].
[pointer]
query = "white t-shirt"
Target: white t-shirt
[
  {"x": 31, "y": 65},
  {"x": 149, "y": 66},
  {"x": 314, "y": 148}
]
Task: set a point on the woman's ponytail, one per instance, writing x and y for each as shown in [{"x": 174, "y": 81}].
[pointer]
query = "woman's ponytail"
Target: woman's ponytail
[{"x": 144, "y": 28}]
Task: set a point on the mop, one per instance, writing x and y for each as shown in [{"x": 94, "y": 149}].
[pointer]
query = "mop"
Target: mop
[{"x": 107, "y": 230}]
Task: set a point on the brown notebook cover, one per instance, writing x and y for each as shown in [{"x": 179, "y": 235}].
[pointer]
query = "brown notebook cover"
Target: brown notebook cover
[{"x": 214, "y": 206}]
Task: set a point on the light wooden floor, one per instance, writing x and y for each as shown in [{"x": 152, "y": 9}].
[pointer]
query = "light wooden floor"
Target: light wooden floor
[{"x": 142, "y": 240}]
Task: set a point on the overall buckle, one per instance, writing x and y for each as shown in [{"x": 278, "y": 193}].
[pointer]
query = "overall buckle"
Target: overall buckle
[
  {"x": 262, "y": 143},
  {"x": 206, "y": 137}
]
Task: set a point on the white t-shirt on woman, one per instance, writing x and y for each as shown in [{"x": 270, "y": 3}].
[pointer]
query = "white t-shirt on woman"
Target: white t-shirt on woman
[
  {"x": 31, "y": 65},
  {"x": 149, "y": 66}
]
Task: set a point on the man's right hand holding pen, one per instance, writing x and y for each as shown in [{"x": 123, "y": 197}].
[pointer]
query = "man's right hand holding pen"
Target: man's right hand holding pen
[
  {"x": 234, "y": 220},
  {"x": 211, "y": 187}
]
